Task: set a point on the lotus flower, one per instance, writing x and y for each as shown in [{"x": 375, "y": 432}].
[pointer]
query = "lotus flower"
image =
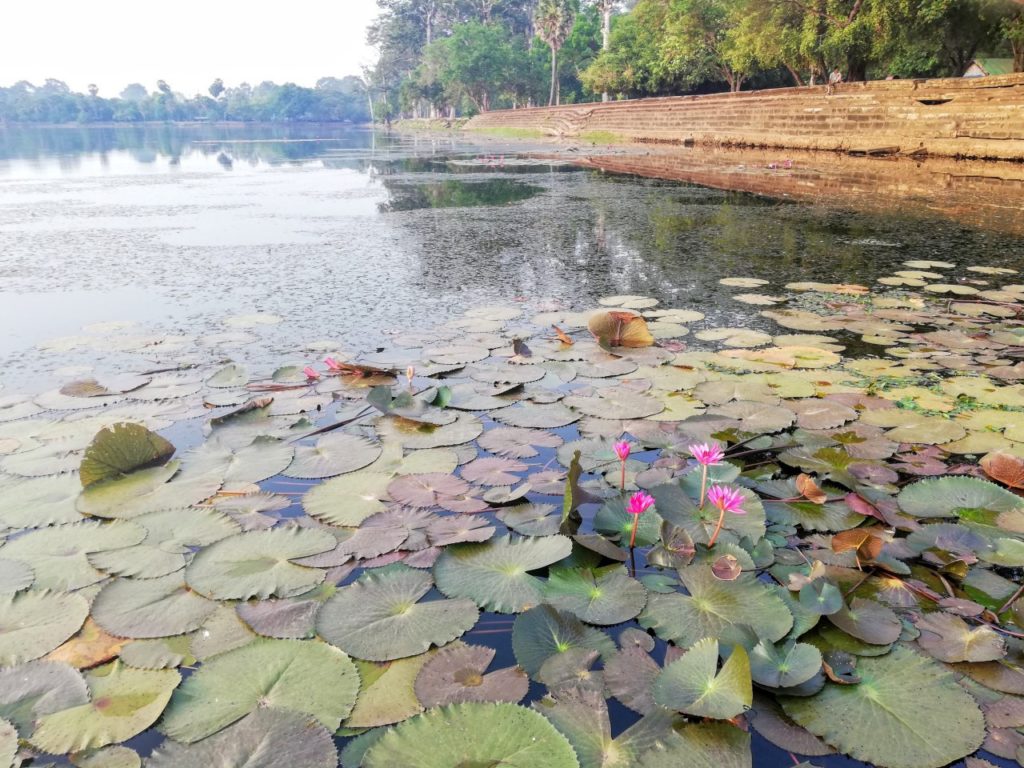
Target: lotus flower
[
  {"x": 311, "y": 373},
  {"x": 707, "y": 455},
  {"x": 410, "y": 374},
  {"x": 331, "y": 363},
  {"x": 622, "y": 449},
  {"x": 638, "y": 503},
  {"x": 725, "y": 499}
]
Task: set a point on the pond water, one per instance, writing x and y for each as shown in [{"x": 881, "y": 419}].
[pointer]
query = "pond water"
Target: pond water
[{"x": 179, "y": 246}]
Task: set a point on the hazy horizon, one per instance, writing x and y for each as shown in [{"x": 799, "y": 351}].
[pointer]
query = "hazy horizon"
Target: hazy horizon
[{"x": 189, "y": 49}]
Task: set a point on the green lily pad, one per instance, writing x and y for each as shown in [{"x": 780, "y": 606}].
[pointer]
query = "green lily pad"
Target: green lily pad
[
  {"x": 951, "y": 639},
  {"x": 230, "y": 375},
  {"x": 158, "y": 607},
  {"x": 258, "y": 564},
  {"x": 14, "y": 576},
  {"x": 955, "y": 496},
  {"x": 124, "y": 702},
  {"x": 473, "y": 734},
  {"x": 714, "y": 606},
  {"x": 302, "y": 676},
  {"x": 34, "y": 623},
  {"x": 541, "y": 632},
  {"x": 612, "y": 519},
  {"x": 869, "y": 621},
  {"x": 517, "y": 442},
  {"x": 597, "y": 596},
  {"x": 701, "y": 745},
  {"x": 29, "y": 691},
  {"x": 8, "y": 743},
  {"x": 496, "y": 574},
  {"x": 121, "y": 449},
  {"x": 334, "y": 454},
  {"x": 379, "y": 618},
  {"x": 907, "y": 712},
  {"x": 39, "y": 502},
  {"x": 349, "y": 499},
  {"x": 784, "y": 666},
  {"x": 693, "y": 684},
  {"x": 268, "y": 738}
]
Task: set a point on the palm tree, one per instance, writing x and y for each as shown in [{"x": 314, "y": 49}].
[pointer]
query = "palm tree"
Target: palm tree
[{"x": 553, "y": 20}]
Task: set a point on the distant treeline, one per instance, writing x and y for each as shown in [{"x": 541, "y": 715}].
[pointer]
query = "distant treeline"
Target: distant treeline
[{"x": 331, "y": 100}]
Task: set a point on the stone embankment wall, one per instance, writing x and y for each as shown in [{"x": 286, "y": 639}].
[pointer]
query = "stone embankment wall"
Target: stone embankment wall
[{"x": 972, "y": 118}]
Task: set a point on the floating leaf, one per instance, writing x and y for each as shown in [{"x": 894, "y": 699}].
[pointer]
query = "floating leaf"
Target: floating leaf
[
  {"x": 950, "y": 638},
  {"x": 303, "y": 676},
  {"x": 334, "y": 454},
  {"x": 120, "y": 449},
  {"x": 1005, "y": 468},
  {"x": 784, "y": 666},
  {"x": 34, "y": 623},
  {"x": 517, "y": 442},
  {"x": 869, "y": 621},
  {"x": 714, "y": 606},
  {"x": 890, "y": 717},
  {"x": 700, "y": 745},
  {"x": 124, "y": 702},
  {"x": 379, "y": 618},
  {"x": 954, "y": 496},
  {"x": 473, "y": 734},
  {"x": 597, "y": 596},
  {"x": 541, "y": 632},
  {"x": 694, "y": 685},
  {"x": 258, "y": 564},
  {"x": 268, "y": 738},
  {"x": 495, "y": 574},
  {"x": 620, "y": 329},
  {"x": 30, "y": 691},
  {"x": 150, "y": 607},
  {"x": 349, "y": 499},
  {"x": 456, "y": 674}
]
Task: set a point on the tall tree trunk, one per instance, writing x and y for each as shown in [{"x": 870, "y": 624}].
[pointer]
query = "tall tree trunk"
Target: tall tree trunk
[
  {"x": 795, "y": 75},
  {"x": 554, "y": 75},
  {"x": 606, "y": 34}
]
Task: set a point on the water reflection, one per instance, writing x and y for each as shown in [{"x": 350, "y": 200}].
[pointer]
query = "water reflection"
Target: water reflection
[{"x": 455, "y": 194}]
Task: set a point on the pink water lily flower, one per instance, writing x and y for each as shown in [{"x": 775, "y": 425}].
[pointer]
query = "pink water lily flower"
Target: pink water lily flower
[
  {"x": 724, "y": 499},
  {"x": 331, "y": 363},
  {"x": 622, "y": 449},
  {"x": 706, "y": 454},
  {"x": 638, "y": 503},
  {"x": 311, "y": 373}
]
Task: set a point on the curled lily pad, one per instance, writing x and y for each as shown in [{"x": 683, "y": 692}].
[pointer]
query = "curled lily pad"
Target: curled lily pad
[
  {"x": 541, "y": 632},
  {"x": 784, "y": 666},
  {"x": 496, "y": 574},
  {"x": 693, "y": 684},
  {"x": 258, "y": 564},
  {"x": 29, "y": 691},
  {"x": 890, "y": 717},
  {"x": 380, "y": 618},
  {"x": 620, "y": 329},
  {"x": 120, "y": 449},
  {"x": 597, "y": 596},
  {"x": 302, "y": 676},
  {"x": 457, "y": 674},
  {"x": 473, "y": 734},
  {"x": 124, "y": 702},
  {"x": 36, "y": 622},
  {"x": 269, "y": 738}
]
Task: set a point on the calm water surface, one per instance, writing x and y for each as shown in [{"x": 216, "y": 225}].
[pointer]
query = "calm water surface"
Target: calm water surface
[{"x": 347, "y": 235}]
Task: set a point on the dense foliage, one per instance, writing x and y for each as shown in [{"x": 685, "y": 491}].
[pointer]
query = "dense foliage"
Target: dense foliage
[
  {"x": 332, "y": 99},
  {"x": 462, "y": 56}
]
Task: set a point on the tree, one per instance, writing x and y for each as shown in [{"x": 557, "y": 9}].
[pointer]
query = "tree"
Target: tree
[
  {"x": 476, "y": 62},
  {"x": 216, "y": 88},
  {"x": 553, "y": 21},
  {"x": 94, "y": 90},
  {"x": 134, "y": 92},
  {"x": 606, "y": 8},
  {"x": 163, "y": 87}
]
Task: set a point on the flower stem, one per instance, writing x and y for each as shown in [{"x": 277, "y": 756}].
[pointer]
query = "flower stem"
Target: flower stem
[
  {"x": 636, "y": 524},
  {"x": 623, "y": 480},
  {"x": 703, "y": 483},
  {"x": 718, "y": 528}
]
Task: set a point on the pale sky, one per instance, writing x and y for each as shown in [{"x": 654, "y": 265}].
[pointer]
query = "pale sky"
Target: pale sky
[{"x": 188, "y": 43}]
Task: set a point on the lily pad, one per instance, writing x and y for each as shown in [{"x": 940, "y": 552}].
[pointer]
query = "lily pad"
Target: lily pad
[
  {"x": 458, "y": 673},
  {"x": 496, "y": 574},
  {"x": 35, "y": 622},
  {"x": 693, "y": 684},
  {"x": 473, "y": 734},
  {"x": 541, "y": 632},
  {"x": 955, "y": 496},
  {"x": 124, "y": 702},
  {"x": 302, "y": 676},
  {"x": 379, "y": 617},
  {"x": 334, "y": 454},
  {"x": 120, "y": 449},
  {"x": 30, "y": 691},
  {"x": 784, "y": 666},
  {"x": 597, "y": 596},
  {"x": 157, "y": 607},
  {"x": 267, "y": 738},
  {"x": 890, "y": 717}
]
